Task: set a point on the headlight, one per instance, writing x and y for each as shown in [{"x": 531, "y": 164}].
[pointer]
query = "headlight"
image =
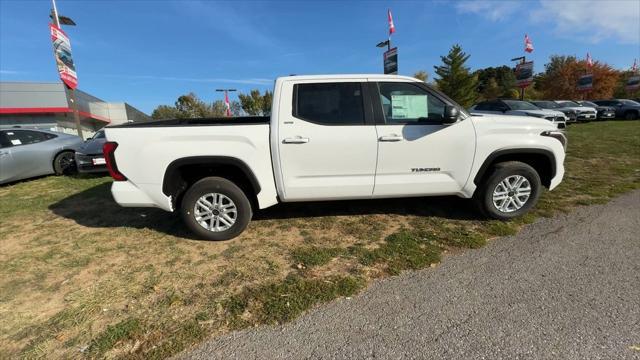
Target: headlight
[{"x": 558, "y": 135}]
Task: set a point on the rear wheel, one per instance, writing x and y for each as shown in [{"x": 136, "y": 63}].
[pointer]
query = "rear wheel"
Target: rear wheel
[
  {"x": 64, "y": 163},
  {"x": 510, "y": 191},
  {"x": 214, "y": 208}
]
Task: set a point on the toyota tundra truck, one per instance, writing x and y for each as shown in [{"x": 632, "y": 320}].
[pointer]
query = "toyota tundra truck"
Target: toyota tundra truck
[{"x": 334, "y": 137}]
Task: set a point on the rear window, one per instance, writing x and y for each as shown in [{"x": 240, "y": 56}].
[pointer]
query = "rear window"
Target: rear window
[{"x": 329, "y": 103}]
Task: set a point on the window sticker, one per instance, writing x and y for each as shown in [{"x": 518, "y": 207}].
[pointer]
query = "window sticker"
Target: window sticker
[
  {"x": 409, "y": 106},
  {"x": 16, "y": 142}
]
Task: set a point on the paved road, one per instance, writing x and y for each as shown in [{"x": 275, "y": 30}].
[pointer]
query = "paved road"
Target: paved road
[{"x": 564, "y": 288}]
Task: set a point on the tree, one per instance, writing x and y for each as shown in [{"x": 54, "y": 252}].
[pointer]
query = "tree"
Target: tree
[
  {"x": 455, "y": 80},
  {"x": 421, "y": 75},
  {"x": 560, "y": 79},
  {"x": 165, "y": 112},
  {"x": 496, "y": 82},
  {"x": 190, "y": 106},
  {"x": 256, "y": 104}
]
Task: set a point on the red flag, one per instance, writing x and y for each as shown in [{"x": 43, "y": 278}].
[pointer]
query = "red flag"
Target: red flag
[
  {"x": 589, "y": 61},
  {"x": 227, "y": 105},
  {"x": 528, "y": 45},
  {"x": 392, "y": 27}
]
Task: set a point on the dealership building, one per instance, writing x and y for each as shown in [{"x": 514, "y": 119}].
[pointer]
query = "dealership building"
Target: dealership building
[{"x": 47, "y": 106}]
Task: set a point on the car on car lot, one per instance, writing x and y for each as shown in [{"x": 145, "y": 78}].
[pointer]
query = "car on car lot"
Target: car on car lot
[
  {"x": 89, "y": 157},
  {"x": 572, "y": 110},
  {"x": 602, "y": 112},
  {"x": 518, "y": 107},
  {"x": 625, "y": 108},
  {"x": 27, "y": 153}
]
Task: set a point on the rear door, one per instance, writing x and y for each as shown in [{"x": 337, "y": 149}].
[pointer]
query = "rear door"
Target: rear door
[
  {"x": 417, "y": 153},
  {"x": 326, "y": 140}
]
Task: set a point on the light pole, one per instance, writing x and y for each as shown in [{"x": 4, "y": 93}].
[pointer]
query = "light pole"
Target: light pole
[
  {"x": 227, "y": 104},
  {"x": 57, "y": 20}
]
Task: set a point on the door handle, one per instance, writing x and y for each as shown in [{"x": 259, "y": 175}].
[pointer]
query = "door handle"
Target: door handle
[
  {"x": 295, "y": 140},
  {"x": 392, "y": 137}
]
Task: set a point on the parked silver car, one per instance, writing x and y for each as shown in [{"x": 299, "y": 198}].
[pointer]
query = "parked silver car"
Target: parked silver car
[{"x": 26, "y": 153}]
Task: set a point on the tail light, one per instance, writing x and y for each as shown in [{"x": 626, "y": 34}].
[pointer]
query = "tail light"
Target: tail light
[{"x": 108, "y": 149}]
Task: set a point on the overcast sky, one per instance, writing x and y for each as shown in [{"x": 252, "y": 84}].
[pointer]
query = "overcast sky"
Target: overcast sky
[{"x": 148, "y": 53}]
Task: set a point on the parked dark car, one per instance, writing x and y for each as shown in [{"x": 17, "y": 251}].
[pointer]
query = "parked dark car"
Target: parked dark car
[
  {"x": 625, "y": 108},
  {"x": 603, "y": 112},
  {"x": 27, "y": 153},
  {"x": 89, "y": 157}
]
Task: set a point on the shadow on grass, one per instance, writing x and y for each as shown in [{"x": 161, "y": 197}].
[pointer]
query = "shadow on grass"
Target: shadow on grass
[{"x": 95, "y": 207}]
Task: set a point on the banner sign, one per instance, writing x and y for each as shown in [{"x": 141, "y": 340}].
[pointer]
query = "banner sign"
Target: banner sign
[
  {"x": 585, "y": 83},
  {"x": 633, "y": 83},
  {"x": 391, "y": 61},
  {"x": 62, "y": 53},
  {"x": 524, "y": 74}
]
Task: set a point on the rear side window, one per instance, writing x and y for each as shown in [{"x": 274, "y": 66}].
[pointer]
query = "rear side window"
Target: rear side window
[
  {"x": 329, "y": 103},
  {"x": 26, "y": 137}
]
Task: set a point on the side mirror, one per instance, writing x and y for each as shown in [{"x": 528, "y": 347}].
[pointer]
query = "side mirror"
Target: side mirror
[{"x": 451, "y": 114}]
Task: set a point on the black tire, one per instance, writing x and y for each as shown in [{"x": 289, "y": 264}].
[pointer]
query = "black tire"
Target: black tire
[
  {"x": 217, "y": 185},
  {"x": 630, "y": 115},
  {"x": 64, "y": 163},
  {"x": 502, "y": 171}
]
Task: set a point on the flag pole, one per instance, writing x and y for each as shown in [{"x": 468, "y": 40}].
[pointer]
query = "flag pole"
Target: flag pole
[{"x": 71, "y": 93}]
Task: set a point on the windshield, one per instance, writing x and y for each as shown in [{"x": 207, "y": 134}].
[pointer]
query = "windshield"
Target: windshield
[
  {"x": 547, "y": 104},
  {"x": 568, "y": 104},
  {"x": 98, "y": 135},
  {"x": 520, "y": 105},
  {"x": 588, "y": 103},
  {"x": 629, "y": 102}
]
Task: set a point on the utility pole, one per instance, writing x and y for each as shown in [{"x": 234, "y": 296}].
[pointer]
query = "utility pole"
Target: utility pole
[
  {"x": 227, "y": 103},
  {"x": 70, "y": 91}
]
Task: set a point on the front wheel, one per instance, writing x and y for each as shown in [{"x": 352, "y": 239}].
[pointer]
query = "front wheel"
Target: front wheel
[
  {"x": 214, "y": 208},
  {"x": 511, "y": 190},
  {"x": 64, "y": 163}
]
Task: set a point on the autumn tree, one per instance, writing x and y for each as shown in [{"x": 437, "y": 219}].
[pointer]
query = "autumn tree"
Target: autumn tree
[
  {"x": 421, "y": 75},
  {"x": 621, "y": 91},
  {"x": 560, "y": 79},
  {"x": 455, "y": 79}
]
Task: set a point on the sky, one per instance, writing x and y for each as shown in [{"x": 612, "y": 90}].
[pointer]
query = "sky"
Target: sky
[{"x": 148, "y": 53}]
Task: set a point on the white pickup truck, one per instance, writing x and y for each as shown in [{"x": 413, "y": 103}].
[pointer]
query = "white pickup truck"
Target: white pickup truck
[{"x": 333, "y": 138}]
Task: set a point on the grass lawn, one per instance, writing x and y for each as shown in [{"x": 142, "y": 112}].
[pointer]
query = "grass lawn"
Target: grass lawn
[{"x": 82, "y": 277}]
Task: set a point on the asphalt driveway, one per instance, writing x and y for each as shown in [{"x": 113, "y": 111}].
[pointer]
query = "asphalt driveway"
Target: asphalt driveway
[{"x": 567, "y": 287}]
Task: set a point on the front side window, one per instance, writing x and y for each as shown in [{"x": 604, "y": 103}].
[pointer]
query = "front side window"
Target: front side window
[
  {"x": 330, "y": 103},
  {"x": 25, "y": 137},
  {"x": 404, "y": 103}
]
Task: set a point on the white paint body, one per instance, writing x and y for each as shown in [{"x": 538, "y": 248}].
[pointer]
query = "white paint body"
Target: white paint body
[{"x": 331, "y": 162}]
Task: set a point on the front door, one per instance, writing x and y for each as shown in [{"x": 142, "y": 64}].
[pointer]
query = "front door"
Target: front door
[
  {"x": 327, "y": 141},
  {"x": 417, "y": 153}
]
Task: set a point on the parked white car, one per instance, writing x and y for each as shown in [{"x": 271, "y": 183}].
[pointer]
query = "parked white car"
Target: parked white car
[
  {"x": 521, "y": 108},
  {"x": 333, "y": 137},
  {"x": 574, "y": 111}
]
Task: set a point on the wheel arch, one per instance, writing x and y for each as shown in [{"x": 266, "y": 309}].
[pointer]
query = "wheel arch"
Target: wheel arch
[
  {"x": 183, "y": 172},
  {"x": 543, "y": 161}
]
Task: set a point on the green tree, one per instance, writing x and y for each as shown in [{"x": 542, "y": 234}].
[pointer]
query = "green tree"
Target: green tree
[
  {"x": 502, "y": 85},
  {"x": 255, "y": 103},
  {"x": 164, "y": 112},
  {"x": 190, "y": 106},
  {"x": 421, "y": 75},
  {"x": 455, "y": 79}
]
